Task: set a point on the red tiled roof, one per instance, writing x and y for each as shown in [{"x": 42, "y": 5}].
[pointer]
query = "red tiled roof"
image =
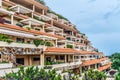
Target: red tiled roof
[
  {"x": 60, "y": 50},
  {"x": 30, "y": 31},
  {"x": 95, "y": 61},
  {"x": 104, "y": 67},
  {"x": 88, "y": 52}
]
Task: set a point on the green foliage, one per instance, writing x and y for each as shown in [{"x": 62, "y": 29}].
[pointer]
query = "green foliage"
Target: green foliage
[
  {"x": 115, "y": 58},
  {"x": 47, "y": 67},
  {"x": 28, "y": 28},
  {"x": 5, "y": 38},
  {"x": 36, "y": 42},
  {"x": 59, "y": 16},
  {"x": 48, "y": 44},
  {"x": 33, "y": 73},
  {"x": 94, "y": 75},
  {"x": 41, "y": 1},
  {"x": 69, "y": 46},
  {"x": 117, "y": 77},
  {"x": 42, "y": 42}
]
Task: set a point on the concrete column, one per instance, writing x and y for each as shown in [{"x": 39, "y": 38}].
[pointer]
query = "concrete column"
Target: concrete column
[
  {"x": 42, "y": 59},
  {"x": 73, "y": 58},
  {"x": 30, "y": 60},
  {"x": 32, "y": 15},
  {"x": 80, "y": 69},
  {"x": 65, "y": 58},
  {"x": 0, "y": 3},
  {"x": 30, "y": 23},
  {"x": 73, "y": 46},
  {"x": 43, "y": 12},
  {"x": 43, "y": 28},
  {"x": 72, "y": 32},
  {"x": 12, "y": 19},
  {"x": 56, "y": 43},
  {"x": 52, "y": 22},
  {"x": 33, "y": 8},
  {"x": 95, "y": 66},
  {"x": 89, "y": 67},
  {"x": 18, "y": 9},
  {"x": 62, "y": 32},
  {"x": 65, "y": 44}
]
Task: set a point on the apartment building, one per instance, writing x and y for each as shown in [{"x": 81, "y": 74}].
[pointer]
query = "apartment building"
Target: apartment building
[{"x": 31, "y": 35}]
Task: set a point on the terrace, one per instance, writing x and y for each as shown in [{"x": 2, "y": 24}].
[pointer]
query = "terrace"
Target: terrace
[
  {"x": 33, "y": 24},
  {"x": 54, "y": 30}
]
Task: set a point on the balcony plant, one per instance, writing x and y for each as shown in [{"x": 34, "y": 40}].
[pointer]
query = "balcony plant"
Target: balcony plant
[
  {"x": 48, "y": 44},
  {"x": 36, "y": 42},
  {"x": 5, "y": 38},
  {"x": 42, "y": 42},
  {"x": 28, "y": 27},
  {"x": 69, "y": 46}
]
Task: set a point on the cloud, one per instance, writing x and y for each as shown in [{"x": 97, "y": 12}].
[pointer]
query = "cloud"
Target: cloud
[{"x": 115, "y": 10}]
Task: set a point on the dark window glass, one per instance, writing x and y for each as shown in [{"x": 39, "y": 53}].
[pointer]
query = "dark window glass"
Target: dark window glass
[
  {"x": 62, "y": 57},
  {"x": 56, "y": 57},
  {"x": 21, "y": 40},
  {"x": 36, "y": 59},
  {"x": 82, "y": 56}
]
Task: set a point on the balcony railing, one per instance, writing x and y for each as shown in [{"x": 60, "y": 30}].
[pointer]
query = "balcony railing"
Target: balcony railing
[
  {"x": 21, "y": 45},
  {"x": 67, "y": 65}
]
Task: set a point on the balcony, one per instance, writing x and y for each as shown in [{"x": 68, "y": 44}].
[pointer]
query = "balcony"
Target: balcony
[
  {"x": 21, "y": 45},
  {"x": 20, "y": 9},
  {"x": 54, "y": 30},
  {"x": 67, "y": 65},
  {"x": 53, "y": 16}
]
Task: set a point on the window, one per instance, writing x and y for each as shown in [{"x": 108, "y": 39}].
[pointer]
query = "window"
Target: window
[
  {"x": 37, "y": 29},
  {"x": 56, "y": 57},
  {"x": 62, "y": 57},
  {"x": 21, "y": 40},
  {"x": 28, "y": 42},
  {"x": 71, "y": 56},
  {"x": 36, "y": 59},
  {"x": 82, "y": 56}
]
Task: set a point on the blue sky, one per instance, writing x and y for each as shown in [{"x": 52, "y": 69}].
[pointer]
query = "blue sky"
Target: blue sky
[{"x": 98, "y": 19}]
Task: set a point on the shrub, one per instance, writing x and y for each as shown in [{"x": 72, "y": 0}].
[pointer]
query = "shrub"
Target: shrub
[
  {"x": 69, "y": 46},
  {"x": 36, "y": 42},
  {"x": 48, "y": 44},
  {"x": 28, "y": 28}
]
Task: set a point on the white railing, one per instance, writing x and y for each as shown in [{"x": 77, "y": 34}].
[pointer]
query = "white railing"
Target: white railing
[
  {"x": 66, "y": 65},
  {"x": 87, "y": 58},
  {"x": 22, "y": 45},
  {"x": 105, "y": 62},
  {"x": 5, "y": 65}
]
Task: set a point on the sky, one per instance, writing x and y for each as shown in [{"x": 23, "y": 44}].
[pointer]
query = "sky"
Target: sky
[{"x": 98, "y": 19}]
